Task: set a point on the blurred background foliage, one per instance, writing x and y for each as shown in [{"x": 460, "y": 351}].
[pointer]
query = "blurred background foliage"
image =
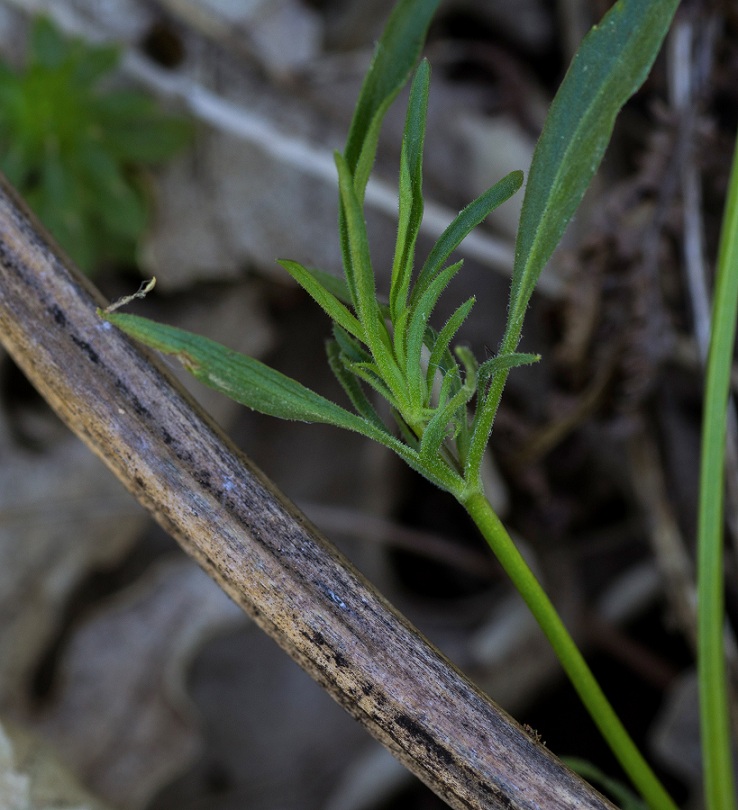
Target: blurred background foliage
[{"x": 74, "y": 145}]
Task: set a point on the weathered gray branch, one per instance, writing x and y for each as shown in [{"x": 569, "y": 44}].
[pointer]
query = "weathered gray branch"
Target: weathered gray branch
[{"x": 257, "y": 546}]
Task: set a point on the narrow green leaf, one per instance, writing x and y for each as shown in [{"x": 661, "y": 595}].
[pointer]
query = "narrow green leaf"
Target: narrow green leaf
[
  {"x": 612, "y": 62},
  {"x": 462, "y": 225},
  {"x": 323, "y": 297},
  {"x": 395, "y": 56},
  {"x": 504, "y": 362},
  {"x": 359, "y": 362},
  {"x": 336, "y": 286},
  {"x": 352, "y": 349},
  {"x": 416, "y": 329},
  {"x": 356, "y": 257},
  {"x": 239, "y": 377},
  {"x": 437, "y": 429},
  {"x": 714, "y": 680},
  {"x": 491, "y": 381},
  {"x": 369, "y": 373},
  {"x": 351, "y": 385},
  {"x": 411, "y": 190},
  {"x": 462, "y": 420},
  {"x": 361, "y": 281},
  {"x": 440, "y": 345},
  {"x": 265, "y": 390}
]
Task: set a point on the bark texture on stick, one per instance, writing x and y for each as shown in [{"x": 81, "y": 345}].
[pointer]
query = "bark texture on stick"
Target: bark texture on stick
[{"x": 257, "y": 546}]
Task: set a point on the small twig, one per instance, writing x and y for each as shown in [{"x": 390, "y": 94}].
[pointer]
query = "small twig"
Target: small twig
[{"x": 145, "y": 288}]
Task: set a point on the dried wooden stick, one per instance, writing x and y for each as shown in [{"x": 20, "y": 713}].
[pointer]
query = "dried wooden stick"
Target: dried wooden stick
[{"x": 256, "y": 545}]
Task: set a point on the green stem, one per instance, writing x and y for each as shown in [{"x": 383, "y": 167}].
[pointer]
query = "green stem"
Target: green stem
[
  {"x": 714, "y": 712},
  {"x": 568, "y": 653}
]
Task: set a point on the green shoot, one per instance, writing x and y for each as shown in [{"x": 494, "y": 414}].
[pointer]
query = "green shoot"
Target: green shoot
[
  {"x": 443, "y": 401},
  {"x": 714, "y": 711}
]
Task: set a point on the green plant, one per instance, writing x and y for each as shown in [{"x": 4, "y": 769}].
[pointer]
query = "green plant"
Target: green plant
[
  {"x": 71, "y": 147},
  {"x": 714, "y": 710},
  {"x": 444, "y": 402}
]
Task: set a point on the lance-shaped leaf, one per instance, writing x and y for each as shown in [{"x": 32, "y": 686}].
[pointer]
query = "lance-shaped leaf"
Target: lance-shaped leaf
[
  {"x": 440, "y": 356},
  {"x": 335, "y": 285},
  {"x": 351, "y": 384},
  {"x": 416, "y": 329},
  {"x": 323, "y": 297},
  {"x": 462, "y": 225},
  {"x": 242, "y": 378},
  {"x": 411, "y": 190},
  {"x": 360, "y": 276},
  {"x": 488, "y": 394},
  {"x": 611, "y": 64},
  {"x": 450, "y": 408},
  {"x": 396, "y": 54}
]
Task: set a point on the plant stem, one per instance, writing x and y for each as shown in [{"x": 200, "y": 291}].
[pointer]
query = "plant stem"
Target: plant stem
[
  {"x": 714, "y": 713},
  {"x": 571, "y": 659}
]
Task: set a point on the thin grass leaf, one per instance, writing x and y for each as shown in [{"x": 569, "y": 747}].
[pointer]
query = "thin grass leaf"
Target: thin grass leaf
[
  {"x": 719, "y": 780},
  {"x": 612, "y": 62},
  {"x": 462, "y": 225},
  {"x": 323, "y": 297},
  {"x": 416, "y": 329},
  {"x": 411, "y": 190}
]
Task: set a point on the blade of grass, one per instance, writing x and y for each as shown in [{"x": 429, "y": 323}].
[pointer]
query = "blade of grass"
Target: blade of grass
[{"x": 719, "y": 783}]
